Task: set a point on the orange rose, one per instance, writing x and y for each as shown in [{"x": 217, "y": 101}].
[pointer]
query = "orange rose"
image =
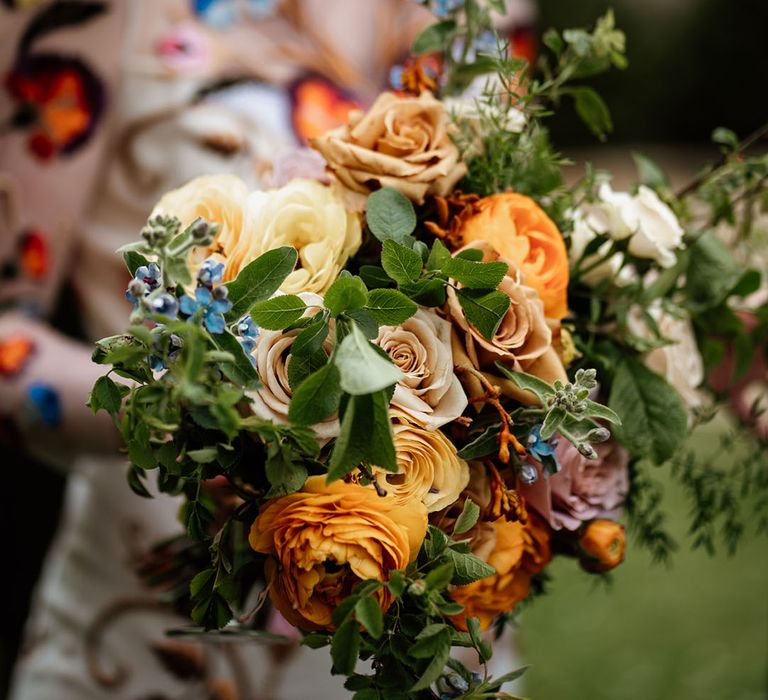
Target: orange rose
[
  {"x": 327, "y": 538},
  {"x": 602, "y": 545},
  {"x": 521, "y": 232},
  {"x": 519, "y": 551}
]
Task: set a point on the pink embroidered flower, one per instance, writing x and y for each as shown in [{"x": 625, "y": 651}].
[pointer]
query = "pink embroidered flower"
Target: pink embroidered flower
[
  {"x": 184, "y": 48},
  {"x": 583, "y": 489}
]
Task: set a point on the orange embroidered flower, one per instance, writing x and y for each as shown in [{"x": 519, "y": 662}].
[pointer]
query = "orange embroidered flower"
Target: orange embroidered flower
[
  {"x": 518, "y": 552},
  {"x": 520, "y": 231},
  {"x": 327, "y": 538},
  {"x": 15, "y": 351}
]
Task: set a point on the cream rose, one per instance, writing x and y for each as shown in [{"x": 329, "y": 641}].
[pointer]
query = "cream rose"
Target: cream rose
[
  {"x": 523, "y": 335},
  {"x": 304, "y": 214},
  {"x": 430, "y": 394},
  {"x": 651, "y": 226},
  {"x": 401, "y": 142},
  {"x": 586, "y": 227},
  {"x": 272, "y": 400},
  {"x": 429, "y": 470}
]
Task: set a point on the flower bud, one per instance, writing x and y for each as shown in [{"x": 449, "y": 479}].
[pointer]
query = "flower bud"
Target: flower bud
[
  {"x": 602, "y": 545},
  {"x": 587, "y": 450},
  {"x": 201, "y": 233},
  {"x": 598, "y": 435},
  {"x": 528, "y": 474},
  {"x": 418, "y": 588}
]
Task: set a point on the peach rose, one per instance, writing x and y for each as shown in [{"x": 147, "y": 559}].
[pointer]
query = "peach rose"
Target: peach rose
[
  {"x": 272, "y": 399},
  {"x": 523, "y": 335},
  {"x": 602, "y": 545},
  {"x": 520, "y": 231},
  {"x": 327, "y": 538},
  {"x": 402, "y": 142},
  {"x": 429, "y": 469},
  {"x": 430, "y": 394}
]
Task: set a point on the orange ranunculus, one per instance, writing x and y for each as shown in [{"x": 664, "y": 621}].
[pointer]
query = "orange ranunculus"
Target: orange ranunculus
[
  {"x": 521, "y": 232},
  {"x": 602, "y": 545},
  {"x": 327, "y": 538},
  {"x": 519, "y": 552}
]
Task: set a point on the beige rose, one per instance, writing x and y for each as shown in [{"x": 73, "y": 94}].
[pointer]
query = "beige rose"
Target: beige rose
[
  {"x": 523, "y": 335},
  {"x": 401, "y": 142},
  {"x": 273, "y": 398},
  {"x": 304, "y": 214},
  {"x": 429, "y": 470},
  {"x": 430, "y": 394}
]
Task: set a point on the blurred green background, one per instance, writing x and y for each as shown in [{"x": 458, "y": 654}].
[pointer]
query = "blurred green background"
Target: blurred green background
[{"x": 697, "y": 630}]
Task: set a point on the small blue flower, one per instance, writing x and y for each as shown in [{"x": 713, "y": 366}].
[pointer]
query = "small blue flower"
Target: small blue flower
[
  {"x": 45, "y": 403},
  {"x": 542, "y": 450},
  {"x": 443, "y": 7},
  {"x": 214, "y": 304},
  {"x": 396, "y": 77},
  {"x": 165, "y": 304},
  {"x": 248, "y": 332},
  {"x": 210, "y": 273},
  {"x": 145, "y": 280}
]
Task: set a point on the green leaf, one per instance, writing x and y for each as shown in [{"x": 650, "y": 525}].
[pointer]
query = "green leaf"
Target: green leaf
[
  {"x": 345, "y": 294},
  {"x": 484, "y": 444},
  {"x": 390, "y": 215},
  {"x": 284, "y": 475},
  {"x": 202, "y": 583},
  {"x": 365, "y": 321},
  {"x": 317, "y": 397},
  {"x": 107, "y": 395},
  {"x": 361, "y": 368},
  {"x": 402, "y": 264},
  {"x": 134, "y": 260},
  {"x": 528, "y": 382},
  {"x": 205, "y": 455},
  {"x": 311, "y": 339},
  {"x": 434, "y": 38},
  {"x": 390, "y": 307},
  {"x": 278, "y": 312},
  {"x": 301, "y": 366},
  {"x": 648, "y": 172},
  {"x": 469, "y": 515},
  {"x": 468, "y": 567},
  {"x": 475, "y": 275},
  {"x": 365, "y": 436},
  {"x": 654, "y": 418},
  {"x": 428, "y": 292},
  {"x": 436, "y": 666},
  {"x": 134, "y": 477},
  {"x": 592, "y": 110},
  {"x": 552, "y": 422},
  {"x": 259, "y": 280},
  {"x": 484, "y": 310},
  {"x": 241, "y": 371},
  {"x": 438, "y": 256},
  {"x": 597, "y": 410},
  {"x": 439, "y": 577},
  {"x": 483, "y": 648},
  {"x": 345, "y": 647},
  {"x": 428, "y": 645},
  {"x": 375, "y": 277},
  {"x": 712, "y": 272},
  {"x": 368, "y": 614}
]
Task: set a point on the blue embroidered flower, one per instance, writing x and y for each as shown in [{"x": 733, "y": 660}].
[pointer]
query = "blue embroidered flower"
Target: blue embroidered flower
[
  {"x": 224, "y": 14},
  {"x": 213, "y": 304},
  {"x": 146, "y": 280},
  {"x": 45, "y": 403}
]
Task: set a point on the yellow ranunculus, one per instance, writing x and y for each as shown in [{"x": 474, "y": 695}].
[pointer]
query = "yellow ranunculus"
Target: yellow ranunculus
[
  {"x": 304, "y": 214},
  {"x": 327, "y": 538},
  {"x": 429, "y": 469}
]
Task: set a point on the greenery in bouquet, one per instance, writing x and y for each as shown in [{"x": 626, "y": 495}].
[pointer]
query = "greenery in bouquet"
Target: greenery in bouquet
[{"x": 390, "y": 394}]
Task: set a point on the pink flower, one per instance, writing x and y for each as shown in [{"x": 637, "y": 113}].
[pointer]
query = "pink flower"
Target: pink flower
[
  {"x": 184, "y": 49},
  {"x": 583, "y": 489}
]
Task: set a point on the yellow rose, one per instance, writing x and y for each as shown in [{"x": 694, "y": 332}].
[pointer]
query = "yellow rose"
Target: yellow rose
[
  {"x": 327, "y": 538},
  {"x": 429, "y": 470},
  {"x": 401, "y": 142},
  {"x": 304, "y": 214}
]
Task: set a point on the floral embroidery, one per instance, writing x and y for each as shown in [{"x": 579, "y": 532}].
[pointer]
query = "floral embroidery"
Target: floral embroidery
[
  {"x": 15, "y": 352},
  {"x": 59, "y": 99},
  {"x": 318, "y": 106},
  {"x": 223, "y": 14},
  {"x": 184, "y": 48},
  {"x": 45, "y": 404}
]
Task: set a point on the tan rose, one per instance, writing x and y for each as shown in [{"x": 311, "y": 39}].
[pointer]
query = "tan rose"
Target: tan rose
[
  {"x": 401, "y": 142},
  {"x": 523, "y": 335},
  {"x": 429, "y": 469},
  {"x": 272, "y": 399},
  {"x": 327, "y": 538},
  {"x": 430, "y": 394}
]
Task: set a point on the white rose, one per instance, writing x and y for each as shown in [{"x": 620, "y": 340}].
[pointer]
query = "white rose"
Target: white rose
[
  {"x": 679, "y": 362},
  {"x": 430, "y": 394},
  {"x": 620, "y": 211},
  {"x": 587, "y": 225},
  {"x": 659, "y": 233}
]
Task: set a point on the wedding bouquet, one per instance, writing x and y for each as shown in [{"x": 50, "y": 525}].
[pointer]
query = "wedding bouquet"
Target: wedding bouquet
[{"x": 390, "y": 391}]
